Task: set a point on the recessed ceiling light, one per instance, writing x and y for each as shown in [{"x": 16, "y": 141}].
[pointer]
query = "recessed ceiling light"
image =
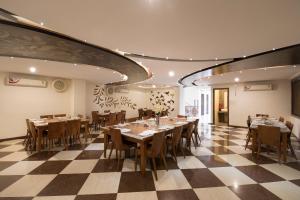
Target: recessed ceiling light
[
  {"x": 244, "y": 56},
  {"x": 191, "y": 58},
  {"x": 236, "y": 79},
  {"x": 294, "y": 66},
  {"x": 84, "y": 40},
  {"x": 167, "y": 58},
  {"x": 153, "y": 86},
  {"x": 75, "y": 64},
  {"x": 273, "y": 49},
  {"x": 97, "y": 68},
  {"x": 171, "y": 73},
  {"x": 216, "y": 64},
  {"x": 216, "y": 58},
  {"x": 11, "y": 57},
  {"x": 241, "y": 72},
  {"x": 42, "y": 23},
  {"x": 32, "y": 69}
]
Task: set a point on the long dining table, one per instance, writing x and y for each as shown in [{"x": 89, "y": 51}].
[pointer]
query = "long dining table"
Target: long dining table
[
  {"x": 284, "y": 132},
  {"x": 41, "y": 125},
  {"x": 142, "y": 131}
]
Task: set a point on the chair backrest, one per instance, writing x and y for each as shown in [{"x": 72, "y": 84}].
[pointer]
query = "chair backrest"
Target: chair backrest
[
  {"x": 117, "y": 138},
  {"x": 106, "y": 111},
  {"x": 119, "y": 117},
  {"x": 149, "y": 113},
  {"x": 141, "y": 113},
  {"x": 290, "y": 125},
  {"x": 248, "y": 123},
  {"x": 95, "y": 116},
  {"x": 181, "y": 116},
  {"x": 80, "y": 116},
  {"x": 190, "y": 129},
  {"x": 56, "y": 130},
  {"x": 269, "y": 135},
  {"x": 157, "y": 143},
  {"x": 262, "y": 115},
  {"x": 73, "y": 127},
  {"x": 32, "y": 130},
  {"x": 281, "y": 119},
  {"x": 123, "y": 116},
  {"x": 46, "y": 116},
  {"x": 177, "y": 135},
  {"x": 112, "y": 119},
  {"x": 60, "y": 115}
]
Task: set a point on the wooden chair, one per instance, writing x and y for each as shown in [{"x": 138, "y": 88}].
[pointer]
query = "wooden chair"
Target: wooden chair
[
  {"x": 262, "y": 115},
  {"x": 27, "y": 137},
  {"x": 123, "y": 119},
  {"x": 174, "y": 142},
  {"x": 187, "y": 134},
  {"x": 60, "y": 115},
  {"x": 141, "y": 113},
  {"x": 46, "y": 116},
  {"x": 196, "y": 134},
  {"x": 106, "y": 111},
  {"x": 118, "y": 144},
  {"x": 290, "y": 127},
  {"x": 281, "y": 119},
  {"x": 249, "y": 134},
  {"x": 181, "y": 116},
  {"x": 119, "y": 117},
  {"x": 73, "y": 130},
  {"x": 56, "y": 130},
  {"x": 149, "y": 114},
  {"x": 32, "y": 136},
  {"x": 269, "y": 135},
  {"x": 155, "y": 150},
  {"x": 112, "y": 119},
  {"x": 95, "y": 120}
]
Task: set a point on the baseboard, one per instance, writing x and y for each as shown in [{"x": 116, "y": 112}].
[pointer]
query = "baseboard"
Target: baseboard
[
  {"x": 234, "y": 126},
  {"x": 12, "y": 138}
]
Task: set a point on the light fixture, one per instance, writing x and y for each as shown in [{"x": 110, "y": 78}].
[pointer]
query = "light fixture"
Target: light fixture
[
  {"x": 216, "y": 58},
  {"x": 236, "y": 79},
  {"x": 171, "y": 73},
  {"x": 167, "y": 58},
  {"x": 244, "y": 56},
  {"x": 273, "y": 49},
  {"x": 153, "y": 86},
  {"x": 241, "y": 72},
  {"x": 42, "y": 23},
  {"x": 32, "y": 69},
  {"x": 294, "y": 66},
  {"x": 84, "y": 40},
  {"x": 97, "y": 68},
  {"x": 191, "y": 58},
  {"x": 124, "y": 77},
  {"x": 11, "y": 57},
  {"x": 75, "y": 64}
]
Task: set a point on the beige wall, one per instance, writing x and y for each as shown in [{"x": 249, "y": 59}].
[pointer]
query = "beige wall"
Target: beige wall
[
  {"x": 242, "y": 103},
  {"x": 19, "y": 103}
]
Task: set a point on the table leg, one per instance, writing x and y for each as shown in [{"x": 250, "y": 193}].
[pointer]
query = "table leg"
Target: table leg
[
  {"x": 105, "y": 144},
  {"x": 284, "y": 146},
  {"x": 254, "y": 142},
  {"x": 39, "y": 132},
  {"x": 143, "y": 157},
  {"x": 86, "y": 131}
]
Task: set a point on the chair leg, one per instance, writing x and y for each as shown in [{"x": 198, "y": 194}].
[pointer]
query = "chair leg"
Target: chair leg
[
  {"x": 194, "y": 142},
  {"x": 174, "y": 149},
  {"x": 248, "y": 140},
  {"x": 136, "y": 159},
  {"x": 112, "y": 146},
  {"x": 258, "y": 150},
  {"x": 199, "y": 138},
  {"x": 182, "y": 151},
  {"x": 154, "y": 168},
  {"x": 291, "y": 148},
  {"x": 279, "y": 153},
  {"x": 119, "y": 158}
]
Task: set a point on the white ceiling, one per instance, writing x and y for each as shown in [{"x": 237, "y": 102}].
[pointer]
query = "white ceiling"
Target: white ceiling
[{"x": 198, "y": 29}]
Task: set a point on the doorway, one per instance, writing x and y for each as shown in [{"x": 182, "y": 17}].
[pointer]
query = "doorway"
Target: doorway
[{"x": 221, "y": 106}]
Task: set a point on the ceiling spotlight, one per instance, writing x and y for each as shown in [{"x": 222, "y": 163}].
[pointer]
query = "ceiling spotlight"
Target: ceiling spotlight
[
  {"x": 153, "y": 86},
  {"x": 32, "y": 69},
  {"x": 171, "y": 73},
  {"x": 42, "y": 23},
  {"x": 273, "y": 49},
  {"x": 167, "y": 58},
  {"x": 216, "y": 64},
  {"x": 97, "y": 68},
  {"x": 236, "y": 79},
  {"x": 11, "y": 57},
  {"x": 143, "y": 54},
  {"x": 241, "y": 72},
  {"x": 124, "y": 77},
  {"x": 84, "y": 40},
  {"x": 244, "y": 56},
  {"x": 75, "y": 64},
  {"x": 191, "y": 58},
  {"x": 294, "y": 66},
  {"x": 216, "y": 58}
]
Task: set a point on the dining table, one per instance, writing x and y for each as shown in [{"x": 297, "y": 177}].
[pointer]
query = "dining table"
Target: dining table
[
  {"x": 41, "y": 125},
  {"x": 141, "y": 132},
  {"x": 269, "y": 121}
]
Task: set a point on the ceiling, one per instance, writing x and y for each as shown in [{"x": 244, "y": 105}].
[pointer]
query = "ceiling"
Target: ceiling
[{"x": 198, "y": 29}]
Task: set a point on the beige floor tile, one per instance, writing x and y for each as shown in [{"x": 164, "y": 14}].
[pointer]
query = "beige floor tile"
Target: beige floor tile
[
  {"x": 171, "y": 180},
  {"x": 101, "y": 183},
  {"x": 29, "y": 185},
  {"x": 238, "y": 149},
  {"x": 231, "y": 176},
  {"x": 95, "y": 146},
  {"x": 79, "y": 166},
  {"x": 201, "y": 151},
  {"x": 284, "y": 189},
  {"x": 15, "y": 147},
  {"x": 189, "y": 162},
  {"x": 283, "y": 171},
  {"x": 137, "y": 195},
  {"x": 236, "y": 160},
  {"x": 65, "y": 155},
  {"x": 215, "y": 193},
  {"x": 16, "y": 156},
  {"x": 239, "y": 141},
  {"x": 21, "y": 168},
  {"x": 55, "y": 198}
]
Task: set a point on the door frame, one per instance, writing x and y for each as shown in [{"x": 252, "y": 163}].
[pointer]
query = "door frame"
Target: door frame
[{"x": 214, "y": 90}]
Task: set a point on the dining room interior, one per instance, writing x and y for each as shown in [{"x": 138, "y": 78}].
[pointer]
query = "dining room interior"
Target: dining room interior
[{"x": 149, "y": 99}]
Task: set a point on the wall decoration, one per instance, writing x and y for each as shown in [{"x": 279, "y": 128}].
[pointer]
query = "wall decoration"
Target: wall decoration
[
  {"x": 164, "y": 98},
  {"x": 108, "y": 101}
]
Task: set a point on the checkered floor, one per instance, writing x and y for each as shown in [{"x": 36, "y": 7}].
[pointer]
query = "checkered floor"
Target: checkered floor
[{"x": 220, "y": 169}]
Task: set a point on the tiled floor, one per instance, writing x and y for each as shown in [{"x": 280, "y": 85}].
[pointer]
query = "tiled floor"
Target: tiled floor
[{"x": 220, "y": 168}]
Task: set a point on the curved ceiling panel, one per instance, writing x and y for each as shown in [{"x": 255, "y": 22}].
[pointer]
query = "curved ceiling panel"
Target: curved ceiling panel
[
  {"x": 22, "y": 38},
  {"x": 280, "y": 57}
]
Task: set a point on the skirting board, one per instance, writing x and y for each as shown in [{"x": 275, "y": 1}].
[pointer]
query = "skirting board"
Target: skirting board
[{"x": 12, "y": 138}]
